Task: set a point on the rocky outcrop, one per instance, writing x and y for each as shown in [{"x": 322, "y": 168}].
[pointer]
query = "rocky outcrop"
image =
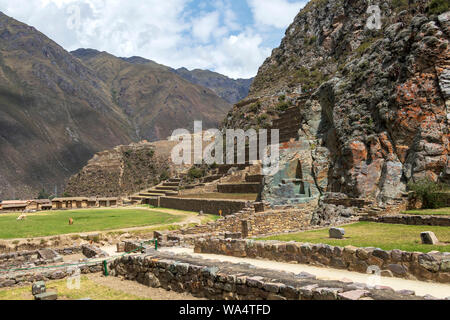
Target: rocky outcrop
[
  {"x": 121, "y": 171},
  {"x": 374, "y": 104}
]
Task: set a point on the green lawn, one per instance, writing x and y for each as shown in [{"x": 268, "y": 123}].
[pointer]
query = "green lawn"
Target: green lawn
[
  {"x": 51, "y": 223},
  {"x": 379, "y": 235},
  {"x": 88, "y": 289},
  {"x": 435, "y": 212}
]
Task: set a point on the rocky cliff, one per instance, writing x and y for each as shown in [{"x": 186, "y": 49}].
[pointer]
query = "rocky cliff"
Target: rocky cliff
[{"x": 374, "y": 104}]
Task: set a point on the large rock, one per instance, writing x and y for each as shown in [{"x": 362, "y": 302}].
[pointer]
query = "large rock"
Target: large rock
[
  {"x": 429, "y": 238},
  {"x": 337, "y": 233}
]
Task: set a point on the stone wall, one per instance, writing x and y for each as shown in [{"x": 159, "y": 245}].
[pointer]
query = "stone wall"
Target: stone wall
[
  {"x": 239, "y": 187},
  {"x": 93, "y": 252},
  {"x": 206, "y": 205},
  {"x": 416, "y": 220},
  {"x": 255, "y": 224},
  {"x": 396, "y": 263},
  {"x": 31, "y": 276},
  {"x": 25, "y": 259},
  {"x": 226, "y": 281}
]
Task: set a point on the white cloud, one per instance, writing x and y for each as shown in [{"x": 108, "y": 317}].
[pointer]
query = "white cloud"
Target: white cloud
[
  {"x": 275, "y": 13},
  {"x": 213, "y": 37},
  {"x": 204, "y": 26}
]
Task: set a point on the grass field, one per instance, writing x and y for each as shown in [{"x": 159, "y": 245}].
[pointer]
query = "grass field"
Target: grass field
[
  {"x": 88, "y": 289},
  {"x": 379, "y": 235},
  {"x": 435, "y": 212},
  {"x": 218, "y": 195},
  {"x": 51, "y": 223}
]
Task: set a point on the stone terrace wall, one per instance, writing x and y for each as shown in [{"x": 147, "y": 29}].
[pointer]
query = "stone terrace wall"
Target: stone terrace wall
[
  {"x": 254, "y": 224},
  {"x": 219, "y": 281},
  {"x": 206, "y": 205},
  {"x": 443, "y": 221},
  {"x": 410, "y": 265},
  {"x": 239, "y": 188}
]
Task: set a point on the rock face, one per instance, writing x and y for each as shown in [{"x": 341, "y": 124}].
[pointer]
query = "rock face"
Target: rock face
[
  {"x": 231, "y": 90},
  {"x": 120, "y": 171},
  {"x": 374, "y": 104}
]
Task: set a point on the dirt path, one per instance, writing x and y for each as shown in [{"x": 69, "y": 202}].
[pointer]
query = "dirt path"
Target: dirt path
[
  {"x": 137, "y": 289},
  {"x": 421, "y": 288}
]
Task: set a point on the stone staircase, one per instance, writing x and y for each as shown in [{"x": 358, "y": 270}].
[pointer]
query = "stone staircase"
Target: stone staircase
[{"x": 170, "y": 187}]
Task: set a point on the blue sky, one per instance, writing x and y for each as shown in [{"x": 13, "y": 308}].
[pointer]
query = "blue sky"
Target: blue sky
[{"x": 232, "y": 37}]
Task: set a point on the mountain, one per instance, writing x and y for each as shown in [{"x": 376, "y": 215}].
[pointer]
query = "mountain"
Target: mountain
[
  {"x": 374, "y": 104},
  {"x": 54, "y": 112},
  {"x": 156, "y": 100},
  {"x": 58, "y": 109},
  {"x": 231, "y": 90}
]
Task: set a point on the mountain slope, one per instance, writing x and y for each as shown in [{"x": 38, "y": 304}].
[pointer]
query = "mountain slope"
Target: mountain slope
[
  {"x": 374, "y": 104},
  {"x": 54, "y": 112},
  {"x": 155, "y": 99},
  {"x": 57, "y": 111},
  {"x": 229, "y": 89}
]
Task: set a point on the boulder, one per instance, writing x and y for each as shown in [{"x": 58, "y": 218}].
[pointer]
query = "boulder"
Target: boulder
[
  {"x": 429, "y": 237},
  {"x": 38, "y": 288},
  {"x": 50, "y": 295},
  {"x": 337, "y": 233}
]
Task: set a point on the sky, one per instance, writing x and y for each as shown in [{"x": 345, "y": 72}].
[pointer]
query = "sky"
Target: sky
[{"x": 232, "y": 37}]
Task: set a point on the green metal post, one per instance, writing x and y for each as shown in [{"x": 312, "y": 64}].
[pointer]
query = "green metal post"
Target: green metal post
[
  {"x": 156, "y": 244},
  {"x": 105, "y": 267}
]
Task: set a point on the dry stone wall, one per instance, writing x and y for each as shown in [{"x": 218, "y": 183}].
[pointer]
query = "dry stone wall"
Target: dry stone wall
[
  {"x": 218, "y": 281},
  {"x": 206, "y": 205},
  {"x": 254, "y": 224},
  {"x": 415, "y": 220},
  {"x": 433, "y": 266}
]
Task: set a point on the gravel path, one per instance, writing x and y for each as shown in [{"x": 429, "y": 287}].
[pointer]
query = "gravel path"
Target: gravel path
[{"x": 421, "y": 288}]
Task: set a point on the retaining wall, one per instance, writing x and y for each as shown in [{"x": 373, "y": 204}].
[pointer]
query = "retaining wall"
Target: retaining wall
[
  {"x": 226, "y": 281},
  {"x": 239, "y": 188},
  {"x": 395, "y": 263},
  {"x": 254, "y": 224},
  {"x": 416, "y": 220},
  {"x": 206, "y": 205}
]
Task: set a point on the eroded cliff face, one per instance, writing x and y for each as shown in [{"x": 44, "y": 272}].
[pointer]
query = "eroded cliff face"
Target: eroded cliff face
[{"x": 375, "y": 104}]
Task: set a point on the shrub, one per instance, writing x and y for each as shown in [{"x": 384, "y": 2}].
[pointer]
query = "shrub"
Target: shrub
[
  {"x": 438, "y": 6},
  {"x": 164, "y": 176},
  {"x": 429, "y": 192},
  {"x": 196, "y": 173}
]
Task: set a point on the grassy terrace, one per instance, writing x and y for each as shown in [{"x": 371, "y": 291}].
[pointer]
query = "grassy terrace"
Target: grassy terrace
[
  {"x": 88, "y": 288},
  {"x": 224, "y": 196},
  {"x": 379, "y": 235},
  {"x": 435, "y": 212},
  {"x": 51, "y": 223}
]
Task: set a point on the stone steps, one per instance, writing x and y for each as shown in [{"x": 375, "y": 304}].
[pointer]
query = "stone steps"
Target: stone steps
[{"x": 167, "y": 188}]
